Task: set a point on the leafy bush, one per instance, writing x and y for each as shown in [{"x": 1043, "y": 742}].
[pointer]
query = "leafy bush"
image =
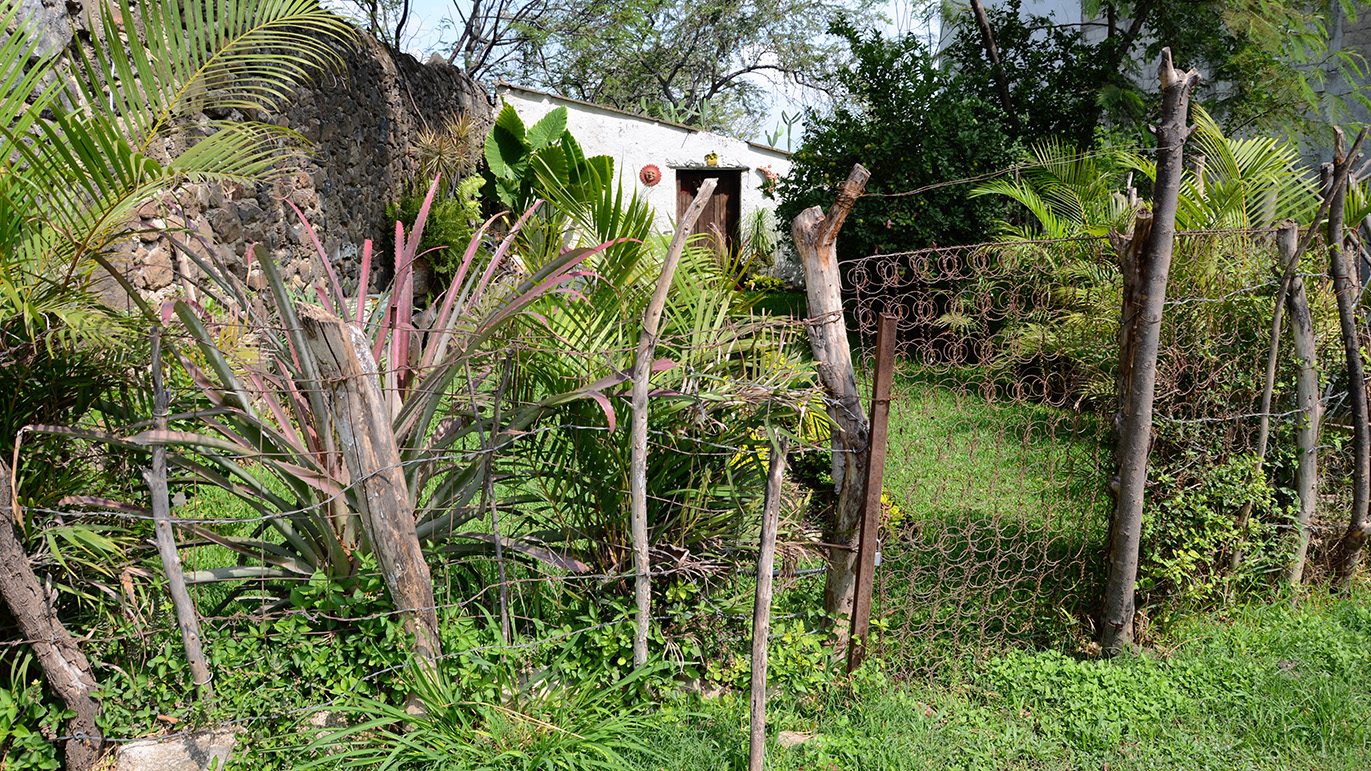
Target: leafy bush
[
  {"x": 28, "y": 720},
  {"x": 487, "y": 717},
  {"x": 912, "y": 125},
  {"x": 452, "y": 221}
]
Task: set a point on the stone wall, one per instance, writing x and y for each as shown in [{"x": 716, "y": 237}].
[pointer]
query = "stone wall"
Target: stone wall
[{"x": 361, "y": 122}]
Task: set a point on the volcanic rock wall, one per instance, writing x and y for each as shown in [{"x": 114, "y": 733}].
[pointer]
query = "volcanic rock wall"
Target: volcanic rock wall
[{"x": 361, "y": 121}]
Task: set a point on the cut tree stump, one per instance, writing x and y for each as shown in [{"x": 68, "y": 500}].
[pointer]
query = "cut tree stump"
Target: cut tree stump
[{"x": 816, "y": 238}]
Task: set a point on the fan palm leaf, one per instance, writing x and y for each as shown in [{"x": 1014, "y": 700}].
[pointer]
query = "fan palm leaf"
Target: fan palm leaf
[{"x": 80, "y": 158}]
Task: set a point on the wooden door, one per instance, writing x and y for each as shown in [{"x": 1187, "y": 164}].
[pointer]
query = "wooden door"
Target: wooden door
[{"x": 720, "y": 218}]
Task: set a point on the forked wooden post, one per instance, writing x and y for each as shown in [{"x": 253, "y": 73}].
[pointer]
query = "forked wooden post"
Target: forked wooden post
[
  {"x": 761, "y": 608},
  {"x": 186, "y": 619},
  {"x": 642, "y": 369},
  {"x": 816, "y": 239},
  {"x": 875, "y": 478},
  {"x": 1136, "y": 437},
  {"x": 362, "y": 418}
]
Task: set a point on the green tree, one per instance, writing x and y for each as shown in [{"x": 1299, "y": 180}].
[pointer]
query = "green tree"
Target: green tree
[
  {"x": 913, "y": 126},
  {"x": 1267, "y": 64},
  {"x": 705, "y": 63}
]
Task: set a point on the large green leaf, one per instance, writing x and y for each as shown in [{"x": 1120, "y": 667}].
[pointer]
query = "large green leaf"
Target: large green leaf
[{"x": 548, "y": 130}]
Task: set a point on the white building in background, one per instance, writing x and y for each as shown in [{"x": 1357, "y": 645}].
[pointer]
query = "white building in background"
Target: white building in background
[{"x": 666, "y": 162}]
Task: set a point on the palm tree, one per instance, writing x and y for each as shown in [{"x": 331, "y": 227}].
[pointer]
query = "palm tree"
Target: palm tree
[{"x": 89, "y": 133}]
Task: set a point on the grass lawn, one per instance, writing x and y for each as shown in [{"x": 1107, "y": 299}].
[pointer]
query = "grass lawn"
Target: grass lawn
[
  {"x": 1270, "y": 687},
  {"x": 997, "y": 523}
]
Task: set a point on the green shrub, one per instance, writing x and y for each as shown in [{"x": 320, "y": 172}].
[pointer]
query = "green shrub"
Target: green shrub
[
  {"x": 452, "y": 221},
  {"x": 28, "y": 720}
]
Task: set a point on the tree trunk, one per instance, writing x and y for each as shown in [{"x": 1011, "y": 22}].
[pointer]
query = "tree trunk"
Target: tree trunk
[
  {"x": 1307, "y": 401},
  {"x": 1345, "y": 284},
  {"x": 362, "y": 418},
  {"x": 761, "y": 608},
  {"x": 1130, "y": 250},
  {"x": 816, "y": 239},
  {"x": 67, "y": 670},
  {"x": 992, "y": 52},
  {"x": 642, "y": 369},
  {"x": 1126, "y": 532}
]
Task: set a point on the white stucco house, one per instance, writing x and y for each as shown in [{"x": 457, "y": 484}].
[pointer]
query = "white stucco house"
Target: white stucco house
[{"x": 666, "y": 162}]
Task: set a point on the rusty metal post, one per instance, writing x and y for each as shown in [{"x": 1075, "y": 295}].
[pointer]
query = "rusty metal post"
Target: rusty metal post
[{"x": 875, "y": 475}]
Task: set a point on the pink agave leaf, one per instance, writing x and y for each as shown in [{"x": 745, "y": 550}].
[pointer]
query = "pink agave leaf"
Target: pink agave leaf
[
  {"x": 608, "y": 408},
  {"x": 417, "y": 232},
  {"x": 499, "y": 255},
  {"x": 166, "y": 437},
  {"x": 269, "y": 395},
  {"x": 364, "y": 281},
  {"x": 337, "y": 287},
  {"x": 104, "y": 503},
  {"x": 472, "y": 247},
  {"x": 207, "y": 387}
]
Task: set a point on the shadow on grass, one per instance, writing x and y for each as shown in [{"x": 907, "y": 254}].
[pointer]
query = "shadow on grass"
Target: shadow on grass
[{"x": 1001, "y": 521}]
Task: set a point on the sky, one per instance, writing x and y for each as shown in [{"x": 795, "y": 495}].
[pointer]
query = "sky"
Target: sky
[{"x": 424, "y": 33}]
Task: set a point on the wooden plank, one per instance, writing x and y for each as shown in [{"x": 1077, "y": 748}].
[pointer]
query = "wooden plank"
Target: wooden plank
[
  {"x": 642, "y": 368},
  {"x": 816, "y": 237},
  {"x": 362, "y": 420},
  {"x": 761, "y": 607},
  {"x": 186, "y": 619},
  {"x": 875, "y": 478}
]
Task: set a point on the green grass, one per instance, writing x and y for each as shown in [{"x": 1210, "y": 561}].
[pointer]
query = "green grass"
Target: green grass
[
  {"x": 1253, "y": 688},
  {"x": 1002, "y": 515}
]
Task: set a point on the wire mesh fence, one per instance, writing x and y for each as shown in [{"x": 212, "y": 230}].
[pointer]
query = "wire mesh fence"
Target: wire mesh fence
[{"x": 1002, "y": 436}]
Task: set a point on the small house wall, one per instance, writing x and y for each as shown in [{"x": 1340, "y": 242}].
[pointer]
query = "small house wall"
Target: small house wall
[{"x": 635, "y": 141}]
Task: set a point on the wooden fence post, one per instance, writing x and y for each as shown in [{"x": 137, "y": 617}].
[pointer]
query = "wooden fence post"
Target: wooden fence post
[
  {"x": 1348, "y": 551},
  {"x": 816, "y": 239},
  {"x": 642, "y": 370},
  {"x": 875, "y": 477},
  {"x": 65, "y": 666},
  {"x": 362, "y": 418},
  {"x": 1126, "y": 530},
  {"x": 156, "y": 477},
  {"x": 761, "y": 608},
  {"x": 1306, "y": 400}
]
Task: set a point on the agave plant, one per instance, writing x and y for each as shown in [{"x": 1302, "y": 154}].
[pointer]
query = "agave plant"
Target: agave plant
[{"x": 259, "y": 428}]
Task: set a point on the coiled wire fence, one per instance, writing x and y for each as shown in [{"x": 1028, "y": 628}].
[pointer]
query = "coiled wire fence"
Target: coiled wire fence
[{"x": 1001, "y": 440}]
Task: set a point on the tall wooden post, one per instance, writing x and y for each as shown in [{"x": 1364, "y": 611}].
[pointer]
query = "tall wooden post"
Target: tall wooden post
[
  {"x": 761, "y": 609},
  {"x": 1348, "y": 289},
  {"x": 1126, "y": 532},
  {"x": 348, "y": 376},
  {"x": 642, "y": 370},
  {"x": 875, "y": 477},
  {"x": 1306, "y": 400},
  {"x": 816, "y": 239},
  {"x": 186, "y": 619}
]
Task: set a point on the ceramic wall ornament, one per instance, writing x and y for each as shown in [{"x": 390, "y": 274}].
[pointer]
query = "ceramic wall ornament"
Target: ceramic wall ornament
[
  {"x": 650, "y": 175},
  {"x": 712, "y": 159}
]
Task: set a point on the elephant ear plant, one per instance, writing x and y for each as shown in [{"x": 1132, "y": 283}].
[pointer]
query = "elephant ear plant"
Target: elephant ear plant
[{"x": 258, "y": 426}]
